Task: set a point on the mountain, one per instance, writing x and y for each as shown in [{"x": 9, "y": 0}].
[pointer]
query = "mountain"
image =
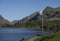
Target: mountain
[
  {"x": 3, "y": 21},
  {"x": 52, "y": 13},
  {"x": 34, "y": 16},
  {"x": 49, "y": 13},
  {"x": 13, "y": 22}
]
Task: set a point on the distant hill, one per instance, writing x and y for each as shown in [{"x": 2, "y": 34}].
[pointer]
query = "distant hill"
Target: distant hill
[
  {"x": 13, "y": 22},
  {"x": 49, "y": 13},
  {"x": 3, "y": 21}
]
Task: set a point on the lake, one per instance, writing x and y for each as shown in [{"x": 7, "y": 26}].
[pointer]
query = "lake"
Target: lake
[{"x": 16, "y": 34}]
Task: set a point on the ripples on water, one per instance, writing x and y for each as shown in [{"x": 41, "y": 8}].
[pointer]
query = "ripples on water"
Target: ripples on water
[{"x": 16, "y": 34}]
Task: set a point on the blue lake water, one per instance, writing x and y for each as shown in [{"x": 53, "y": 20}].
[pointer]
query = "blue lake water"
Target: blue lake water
[{"x": 16, "y": 34}]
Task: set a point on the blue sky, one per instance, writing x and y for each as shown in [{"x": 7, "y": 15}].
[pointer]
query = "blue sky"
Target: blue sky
[{"x": 18, "y": 9}]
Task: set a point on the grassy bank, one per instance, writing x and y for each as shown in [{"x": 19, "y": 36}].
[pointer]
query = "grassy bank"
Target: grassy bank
[
  {"x": 53, "y": 37},
  {"x": 24, "y": 39}
]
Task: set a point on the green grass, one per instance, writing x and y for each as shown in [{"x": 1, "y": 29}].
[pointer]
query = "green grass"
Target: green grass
[
  {"x": 25, "y": 39},
  {"x": 56, "y": 37},
  {"x": 53, "y": 37}
]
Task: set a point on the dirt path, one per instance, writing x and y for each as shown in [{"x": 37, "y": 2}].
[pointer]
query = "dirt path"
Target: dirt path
[{"x": 31, "y": 39}]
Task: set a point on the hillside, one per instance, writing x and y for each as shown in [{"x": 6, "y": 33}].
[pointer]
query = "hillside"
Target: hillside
[
  {"x": 3, "y": 21},
  {"x": 53, "y": 37}
]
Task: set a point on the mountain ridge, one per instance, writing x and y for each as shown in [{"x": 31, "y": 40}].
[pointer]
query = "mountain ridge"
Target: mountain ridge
[{"x": 48, "y": 13}]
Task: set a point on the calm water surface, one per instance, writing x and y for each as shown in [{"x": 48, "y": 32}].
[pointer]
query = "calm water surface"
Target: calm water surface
[{"x": 16, "y": 34}]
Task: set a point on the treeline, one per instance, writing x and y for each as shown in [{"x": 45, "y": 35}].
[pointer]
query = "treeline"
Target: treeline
[{"x": 49, "y": 24}]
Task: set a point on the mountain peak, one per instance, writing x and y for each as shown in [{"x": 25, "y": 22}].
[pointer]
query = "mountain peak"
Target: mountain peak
[
  {"x": 49, "y": 7},
  {"x": 41, "y": 12}
]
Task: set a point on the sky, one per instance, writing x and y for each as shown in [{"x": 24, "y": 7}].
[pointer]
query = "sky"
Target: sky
[{"x": 18, "y": 9}]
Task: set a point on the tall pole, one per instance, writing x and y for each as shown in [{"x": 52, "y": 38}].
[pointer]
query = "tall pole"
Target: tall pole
[
  {"x": 42, "y": 24},
  {"x": 41, "y": 13}
]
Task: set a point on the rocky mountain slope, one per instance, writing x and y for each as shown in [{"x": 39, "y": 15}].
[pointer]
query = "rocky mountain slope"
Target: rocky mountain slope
[{"x": 49, "y": 13}]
